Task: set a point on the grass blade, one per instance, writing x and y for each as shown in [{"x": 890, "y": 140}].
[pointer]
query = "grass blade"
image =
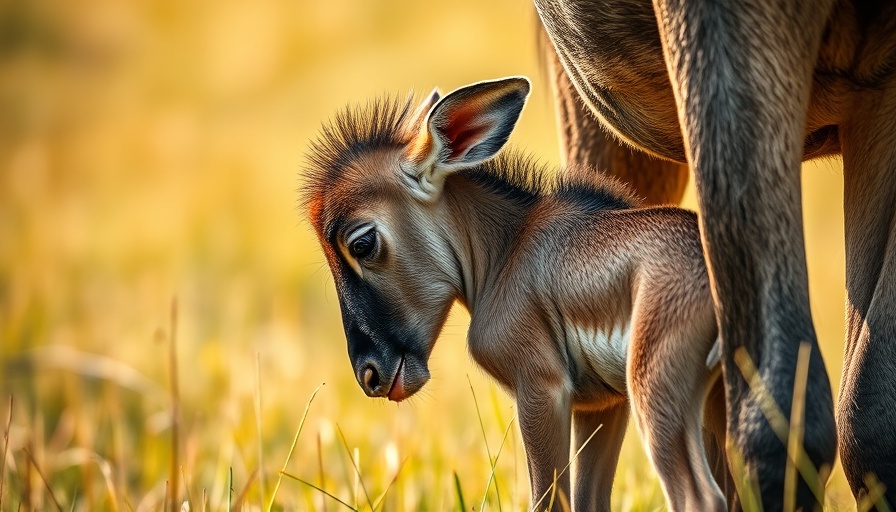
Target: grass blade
[
  {"x": 874, "y": 498},
  {"x": 488, "y": 450},
  {"x": 183, "y": 475},
  {"x": 106, "y": 470},
  {"x": 175, "y": 408},
  {"x": 571, "y": 460},
  {"x": 5, "y": 450},
  {"x": 309, "y": 484},
  {"x": 553, "y": 492},
  {"x": 460, "y": 494},
  {"x": 261, "y": 481},
  {"x": 320, "y": 466},
  {"x": 779, "y": 424},
  {"x": 382, "y": 498},
  {"x": 745, "y": 485},
  {"x": 491, "y": 475},
  {"x": 354, "y": 465},
  {"x": 43, "y": 478},
  {"x": 291, "y": 448},
  {"x": 242, "y": 495},
  {"x": 795, "y": 437}
]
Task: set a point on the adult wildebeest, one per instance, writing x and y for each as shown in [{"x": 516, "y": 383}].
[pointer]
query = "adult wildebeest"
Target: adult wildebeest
[
  {"x": 582, "y": 306},
  {"x": 742, "y": 91}
]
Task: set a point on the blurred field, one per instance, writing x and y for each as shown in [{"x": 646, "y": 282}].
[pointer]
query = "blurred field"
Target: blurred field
[{"x": 150, "y": 150}]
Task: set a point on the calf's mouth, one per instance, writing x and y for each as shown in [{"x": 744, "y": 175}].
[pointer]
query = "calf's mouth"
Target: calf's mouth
[{"x": 397, "y": 391}]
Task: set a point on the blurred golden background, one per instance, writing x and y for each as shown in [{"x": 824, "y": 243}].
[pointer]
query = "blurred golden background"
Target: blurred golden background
[{"x": 150, "y": 150}]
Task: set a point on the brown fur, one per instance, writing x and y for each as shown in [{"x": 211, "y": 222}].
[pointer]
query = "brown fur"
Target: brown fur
[
  {"x": 583, "y": 305},
  {"x": 742, "y": 92}
]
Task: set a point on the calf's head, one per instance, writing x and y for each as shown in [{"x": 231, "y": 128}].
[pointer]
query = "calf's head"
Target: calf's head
[{"x": 373, "y": 192}]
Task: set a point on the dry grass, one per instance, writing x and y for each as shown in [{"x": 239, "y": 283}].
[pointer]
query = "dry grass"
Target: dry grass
[{"x": 150, "y": 150}]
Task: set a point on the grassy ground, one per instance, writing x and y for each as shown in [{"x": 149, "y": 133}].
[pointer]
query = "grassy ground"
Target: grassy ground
[{"x": 150, "y": 150}]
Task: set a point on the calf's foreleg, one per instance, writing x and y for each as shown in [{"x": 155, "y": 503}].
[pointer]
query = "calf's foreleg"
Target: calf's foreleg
[
  {"x": 596, "y": 463},
  {"x": 544, "y": 417}
]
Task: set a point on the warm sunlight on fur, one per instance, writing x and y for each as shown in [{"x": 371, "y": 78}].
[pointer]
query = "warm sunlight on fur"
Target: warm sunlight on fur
[{"x": 151, "y": 151}]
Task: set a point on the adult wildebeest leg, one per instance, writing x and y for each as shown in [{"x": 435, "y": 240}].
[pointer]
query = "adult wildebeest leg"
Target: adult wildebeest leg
[
  {"x": 544, "y": 416},
  {"x": 867, "y": 406},
  {"x": 596, "y": 464},
  {"x": 742, "y": 76},
  {"x": 583, "y": 141}
]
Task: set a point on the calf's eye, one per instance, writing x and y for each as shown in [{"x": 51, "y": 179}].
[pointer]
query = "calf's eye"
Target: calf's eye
[{"x": 363, "y": 246}]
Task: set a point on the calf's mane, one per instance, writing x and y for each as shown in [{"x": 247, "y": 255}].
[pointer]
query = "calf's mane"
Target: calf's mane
[{"x": 385, "y": 123}]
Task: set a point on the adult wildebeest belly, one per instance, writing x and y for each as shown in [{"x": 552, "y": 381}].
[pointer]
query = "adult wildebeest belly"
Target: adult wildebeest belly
[
  {"x": 612, "y": 52},
  {"x": 613, "y": 55}
]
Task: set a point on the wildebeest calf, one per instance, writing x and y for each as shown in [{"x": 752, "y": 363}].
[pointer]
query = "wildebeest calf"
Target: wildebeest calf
[{"x": 583, "y": 305}]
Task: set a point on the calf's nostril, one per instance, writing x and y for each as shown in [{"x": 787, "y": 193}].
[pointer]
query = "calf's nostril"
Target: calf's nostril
[{"x": 371, "y": 379}]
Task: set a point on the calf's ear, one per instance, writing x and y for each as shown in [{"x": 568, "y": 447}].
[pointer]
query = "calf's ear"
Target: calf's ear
[{"x": 465, "y": 128}]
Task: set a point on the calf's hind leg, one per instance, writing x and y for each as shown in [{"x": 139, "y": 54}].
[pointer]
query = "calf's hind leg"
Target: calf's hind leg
[
  {"x": 667, "y": 391},
  {"x": 867, "y": 406},
  {"x": 714, "y": 440}
]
